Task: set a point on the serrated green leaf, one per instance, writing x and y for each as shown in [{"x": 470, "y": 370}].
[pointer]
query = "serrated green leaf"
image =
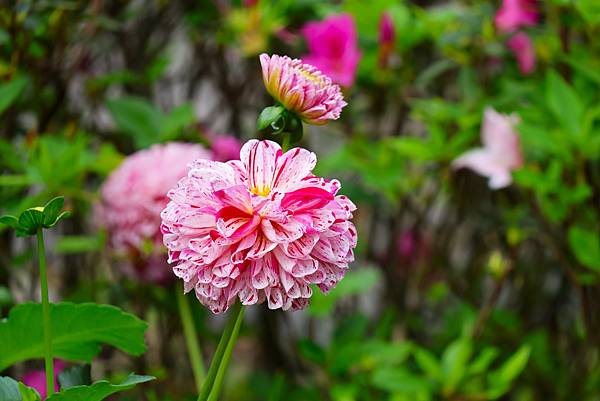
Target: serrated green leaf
[
  {"x": 99, "y": 390},
  {"x": 10, "y": 91},
  {"x": 585, "y": 244},
  {"x": 28, "y": 393},
  {"x": 52, "y": 211},
  {"x": 78, "y": 330},
  {"x": 268, "y": 116}
]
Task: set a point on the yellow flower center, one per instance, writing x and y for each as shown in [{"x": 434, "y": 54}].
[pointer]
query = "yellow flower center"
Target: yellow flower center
[{"x": 261, "y": 191}]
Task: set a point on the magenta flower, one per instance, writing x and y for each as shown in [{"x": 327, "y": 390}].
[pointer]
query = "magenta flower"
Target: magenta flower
[
  {"x": 501, "y": 153},
  {"x": 333, "y": 47},
  {"x": 262, "y": 228},
  {"x": 524, "y": 51},
  {"x": 386, "y": 39},
  {"x": 302, "y": 89},
  {"x": 132, "y": 198},
  {"x": 225, "y": 147},
  {"x": 37, "y": 378},
  {"x": 516, "y": 13}
]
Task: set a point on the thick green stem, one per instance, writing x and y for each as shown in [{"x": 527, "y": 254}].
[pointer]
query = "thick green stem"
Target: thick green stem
[
  {"x": 218, "y": 383},
  {"x": 191, "y": 338},
  {"x": 207, "y": 387},
  {"x": 46, "y": 314}
]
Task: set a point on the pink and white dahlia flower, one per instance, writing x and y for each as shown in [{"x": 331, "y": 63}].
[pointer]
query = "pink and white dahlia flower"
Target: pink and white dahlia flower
[
  {"x": 259, "y": 228},
  {"x": 302, "y": 89},
  {"x": 133, "y": 196}
]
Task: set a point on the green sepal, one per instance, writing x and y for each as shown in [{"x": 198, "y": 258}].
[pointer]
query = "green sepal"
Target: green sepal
[{"x": 269, "y": 116}]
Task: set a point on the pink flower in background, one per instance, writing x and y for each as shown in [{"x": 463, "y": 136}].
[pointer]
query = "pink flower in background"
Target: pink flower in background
[
  {"x": 333, "y": 47},
  {"x": 501, "y": 153},
  {"x": 225, "y": 147},
  {"x": 262, "y": 228},
  {"x": 37, "y": 378},
  {"x": 386, "y": 29},
  {"x": 516, "y": 13},
  {"x": 524, "y": 51},
  {"x": 386, "y": 39},
  {"x": 133, "y": 196},
  {"x": 302, "y": 89}
]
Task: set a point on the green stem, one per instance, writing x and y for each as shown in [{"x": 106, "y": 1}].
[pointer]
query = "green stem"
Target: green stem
[
  {"x": 207, "y": 387},
  {"x": 191, "y": 338},
  {"x": 218, "y": 384},
  {"x": 285, "y": 143},
  {"x": 46, "y": 314}
]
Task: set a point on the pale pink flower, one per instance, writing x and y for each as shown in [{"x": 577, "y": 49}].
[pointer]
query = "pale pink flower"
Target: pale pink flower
[
  {"x": 524, "y": 51},
  {"x": 333, "y": 47},
  {"x": 262, "y": 228},
  {"x": 302, "y": 89},
  {"x": 225, "y": 147},
  {"x": 516, "y": 13},
  {"x": 37, "y": 378},
  {"x": 132, "y": 198},
  {"x": 501, "y": 151}
]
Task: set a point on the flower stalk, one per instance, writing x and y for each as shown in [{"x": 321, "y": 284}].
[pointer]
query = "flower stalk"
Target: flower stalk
[
  {"x": 191, "y": 339},
  {"x": 216, "y": 373},
  {"x": 49, "y": 365}
]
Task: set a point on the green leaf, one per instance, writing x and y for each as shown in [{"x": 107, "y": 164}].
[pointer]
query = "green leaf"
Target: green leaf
[
  {"x": 427, "y": 362},
  {"x": 52, "y": 211},
  {"x": 399, "y": 380},
  {"x": 138, "y": 118},
  {"x": 590, "y": 10},
  {"x": 11, "y": 390},
  {"x": 78, "y": 375},
  {"x": 177, "y": 119},
  {"x": 355, "y": 282},
  {"x": 454, "y": 363},
  {"x": 10, "y": 91},
  {"x": 268, "y": 116},
  {"x": 10, "y": 221},
  {"x": 564, "y": 103},
  {"x": 78, "y": 330},
  {"x": 31, "y": 219},
  {"x": 99, "y": 390},
  {"x": 585, "y": 244},
  {"x": 502, "y": 378}
]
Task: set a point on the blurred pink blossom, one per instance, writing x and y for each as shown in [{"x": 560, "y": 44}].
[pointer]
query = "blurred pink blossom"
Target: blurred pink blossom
[
  {"x": 37, "y": 378},
  {"x": 302, "y": 89},
  {"x": 225, "y": 147},
  {"x": 262, "y": 228},
  {"x": 386, "y": 39},
  {"x": 333, "y": 47},
  {"x": 516, "y": 13},
  {"x": 132, "y": 198},
  {"x": 524, "y": 51},
  {"x": 501, "y": 151}
]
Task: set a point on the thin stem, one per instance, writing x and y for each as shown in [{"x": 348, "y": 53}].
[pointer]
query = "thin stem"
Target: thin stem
[
  {"x": 285, "y": 143},
  {"x": 218, "y": 356},
  {"x": 191, "y": 338},
  {"x": 46, "y": 314},
  {"x": 218, "y": 384}
]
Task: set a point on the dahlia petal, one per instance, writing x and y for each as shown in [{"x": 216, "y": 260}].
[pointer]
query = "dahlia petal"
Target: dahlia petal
[
  {"x": 259, "y": 158},
  {"x": 236, "y": 196},
  {"x": 293, "y": 166}
]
